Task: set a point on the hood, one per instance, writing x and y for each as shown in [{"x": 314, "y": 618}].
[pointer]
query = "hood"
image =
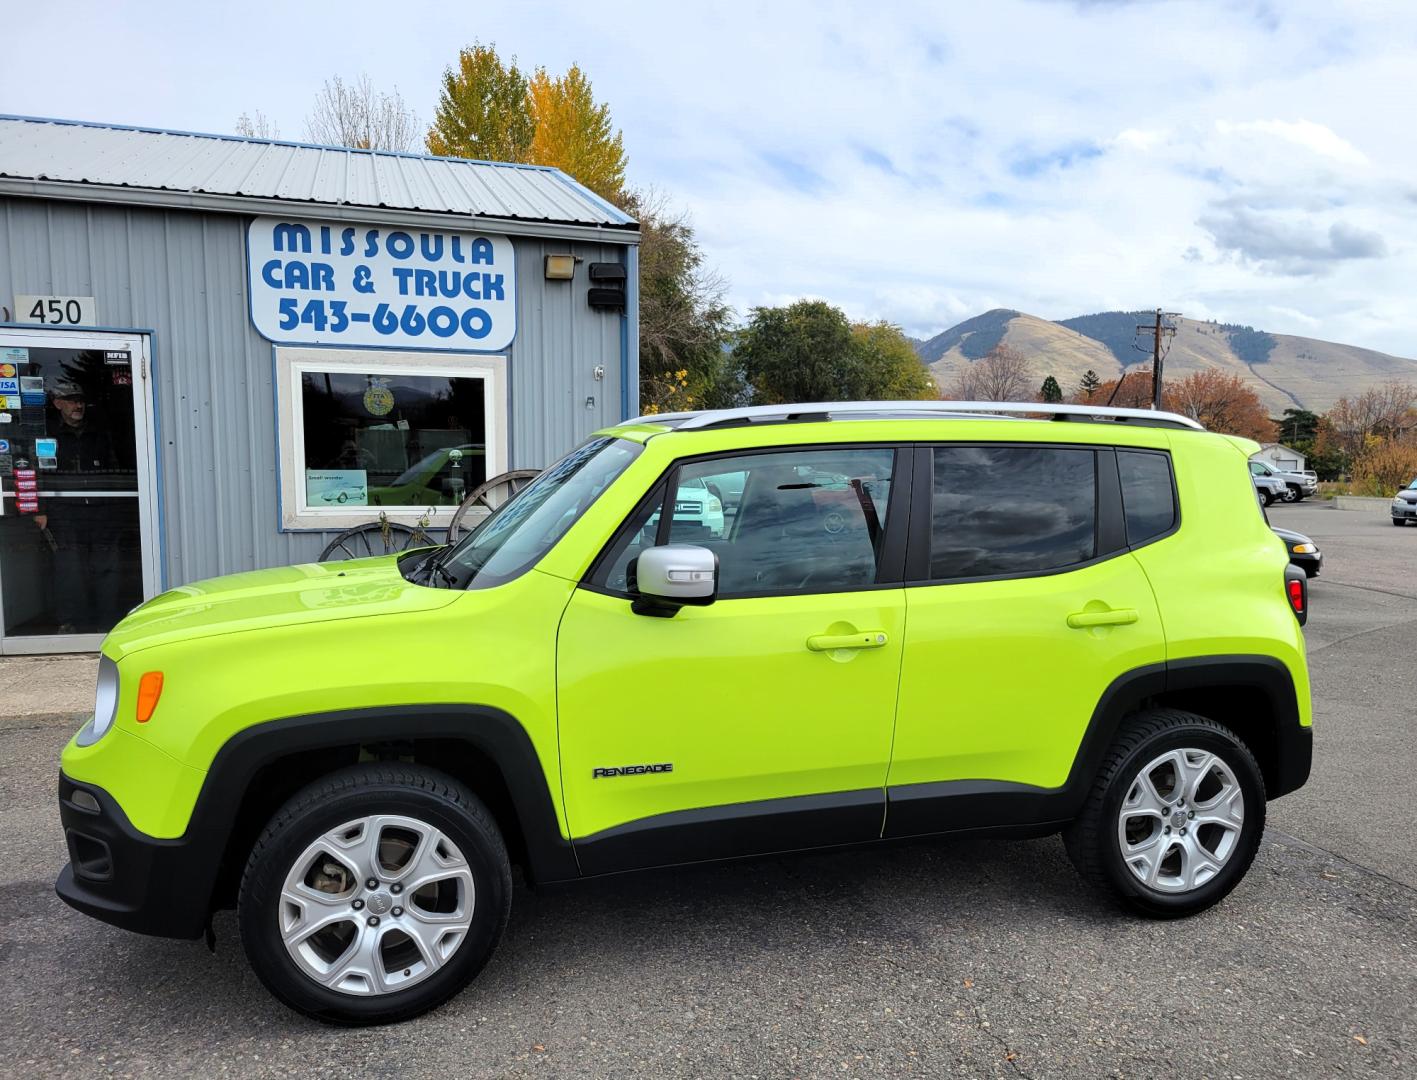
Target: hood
[
  {"x": 285, "y": 596},
  {"x": 1408, "y": 494},
  {"x": 1289, "y": 536}
]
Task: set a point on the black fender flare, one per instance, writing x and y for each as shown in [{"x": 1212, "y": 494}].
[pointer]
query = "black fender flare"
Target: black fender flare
[{"x": 496, "y": 734}]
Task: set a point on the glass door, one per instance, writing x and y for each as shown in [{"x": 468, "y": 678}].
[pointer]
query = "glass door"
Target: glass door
[{"x": 77, "y": 513}]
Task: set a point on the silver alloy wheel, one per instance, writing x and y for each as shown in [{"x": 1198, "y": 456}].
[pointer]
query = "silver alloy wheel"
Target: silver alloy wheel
[
  {"x": 376, "y": 905},
  {"x": 1181, "y": 820}
]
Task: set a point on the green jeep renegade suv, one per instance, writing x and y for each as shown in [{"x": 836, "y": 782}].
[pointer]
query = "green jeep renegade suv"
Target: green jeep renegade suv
[{"x": 908, "y": 619}]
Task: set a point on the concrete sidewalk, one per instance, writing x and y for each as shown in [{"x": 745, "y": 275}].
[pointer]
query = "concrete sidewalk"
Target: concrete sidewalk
[{"x": 57, "y": 686}]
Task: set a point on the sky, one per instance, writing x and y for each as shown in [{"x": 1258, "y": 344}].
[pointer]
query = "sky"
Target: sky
[{"x": 1251, "y": 162}]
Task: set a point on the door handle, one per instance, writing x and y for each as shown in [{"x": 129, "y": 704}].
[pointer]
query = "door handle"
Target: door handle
[
  {"x": 1081, "y": 620},
  {"x": 862, "y": 639}
]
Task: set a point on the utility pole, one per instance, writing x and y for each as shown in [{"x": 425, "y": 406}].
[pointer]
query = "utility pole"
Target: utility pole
[{"x": 1158, "y": 329}]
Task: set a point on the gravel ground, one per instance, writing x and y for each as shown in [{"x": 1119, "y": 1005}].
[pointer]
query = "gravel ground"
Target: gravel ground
[{"x": 954, "y": 958}]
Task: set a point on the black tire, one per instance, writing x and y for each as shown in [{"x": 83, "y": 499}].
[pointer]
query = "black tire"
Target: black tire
[
  {"x": 345, "y": 795},
  {"x": 1268, "y": 497},
  {"x": 1092, "y": 842},
  {"x": 1399, "y": 522}
]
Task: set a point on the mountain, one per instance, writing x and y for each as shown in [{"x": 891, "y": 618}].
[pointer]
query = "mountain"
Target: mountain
[{"x": 1285, "y": 371}]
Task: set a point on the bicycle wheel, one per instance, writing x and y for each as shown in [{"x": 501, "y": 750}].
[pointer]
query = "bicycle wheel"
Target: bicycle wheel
[
  {"x": 485, "y": 498},
  {"x": 375, "y": 538}
]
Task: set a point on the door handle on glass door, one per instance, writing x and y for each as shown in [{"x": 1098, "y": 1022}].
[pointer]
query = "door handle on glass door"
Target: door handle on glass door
[
  {"x": 862, "y": 639},
  {"x": 1082, "y": 620}
]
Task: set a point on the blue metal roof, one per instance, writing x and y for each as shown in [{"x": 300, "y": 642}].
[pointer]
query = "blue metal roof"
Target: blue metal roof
[{"x": 152, "y": 159}]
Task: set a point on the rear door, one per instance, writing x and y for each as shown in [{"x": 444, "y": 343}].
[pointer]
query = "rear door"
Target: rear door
[{"x": 1023, "y": 605}]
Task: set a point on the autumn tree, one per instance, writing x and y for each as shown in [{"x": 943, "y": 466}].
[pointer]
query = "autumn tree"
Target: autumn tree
[
  {"x": 1386, "y": 467},
  {"x": 1050, "y": 391},
  {"x": 1220, "y": 401},
  {"x": 574, "y": 133},
  {"x": 1088, "y": 384},
  {"x": 1383, "y": 413},
  {"x": 355, "y": 114},
  {"x": 1131, "y": 391},
  {"x": 483, "y": 110},
  {"x": 1002, "y": 374}
]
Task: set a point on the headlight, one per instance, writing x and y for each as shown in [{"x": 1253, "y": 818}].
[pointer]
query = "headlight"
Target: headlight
[
  {"x": 1398, "y": 500},
  {"x": 1304, "y": 549},
  {"x": 105, "y": 703}
]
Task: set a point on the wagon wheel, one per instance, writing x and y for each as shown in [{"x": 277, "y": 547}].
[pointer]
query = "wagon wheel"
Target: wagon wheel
[
  {"x": 485, "y": 498},
  {"x": 382, "y": 537}
]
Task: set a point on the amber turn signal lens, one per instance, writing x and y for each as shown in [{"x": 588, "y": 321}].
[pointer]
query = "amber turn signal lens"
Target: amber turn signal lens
[{"x": 149, "y": 690}]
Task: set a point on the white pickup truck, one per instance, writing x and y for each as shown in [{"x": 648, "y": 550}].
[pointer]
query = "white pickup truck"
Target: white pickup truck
[{"x": 1296, "y": 485}]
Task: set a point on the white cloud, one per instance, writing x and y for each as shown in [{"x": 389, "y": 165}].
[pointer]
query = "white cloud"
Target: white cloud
[{"x": 1316, "y": 138}]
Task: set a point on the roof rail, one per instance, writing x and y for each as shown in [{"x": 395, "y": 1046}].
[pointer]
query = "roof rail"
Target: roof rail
[{"x": 828, "y": 410}]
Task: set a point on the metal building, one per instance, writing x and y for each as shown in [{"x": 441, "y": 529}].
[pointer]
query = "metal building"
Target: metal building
[{"x": 216, "y": 352}]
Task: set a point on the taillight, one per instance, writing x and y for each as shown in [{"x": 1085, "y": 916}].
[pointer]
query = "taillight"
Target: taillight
[{"x": 1296, "y": 588}]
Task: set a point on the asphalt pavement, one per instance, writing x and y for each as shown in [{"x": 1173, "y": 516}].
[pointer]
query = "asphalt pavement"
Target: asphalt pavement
[{"x": 955, "y": 958}]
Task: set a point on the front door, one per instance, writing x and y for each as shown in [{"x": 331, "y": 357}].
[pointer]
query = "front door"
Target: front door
[
  {"x": 76, "y": 484},
  {"x": 761, "y": 722}
]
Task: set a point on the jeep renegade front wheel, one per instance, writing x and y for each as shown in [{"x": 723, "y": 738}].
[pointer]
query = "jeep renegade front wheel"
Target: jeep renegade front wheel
[
  {"x": 374, "y": 894},
  {"x": 1174, "y": 817}
]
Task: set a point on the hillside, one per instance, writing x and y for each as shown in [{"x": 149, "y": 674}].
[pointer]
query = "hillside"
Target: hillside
[{"x": 1285, "y": 371}]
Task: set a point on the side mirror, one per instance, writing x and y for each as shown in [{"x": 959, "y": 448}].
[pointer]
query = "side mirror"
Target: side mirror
[{"x": 664, "y": 579}]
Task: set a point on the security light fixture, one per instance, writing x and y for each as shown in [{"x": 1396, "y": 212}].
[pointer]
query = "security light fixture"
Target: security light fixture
[{"x": 560, "y": 267}]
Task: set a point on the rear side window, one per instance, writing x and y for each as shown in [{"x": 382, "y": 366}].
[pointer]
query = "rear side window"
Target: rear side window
[
  {"x": 1008, "y": 510},
  {"x": 1148, "y": 496}
]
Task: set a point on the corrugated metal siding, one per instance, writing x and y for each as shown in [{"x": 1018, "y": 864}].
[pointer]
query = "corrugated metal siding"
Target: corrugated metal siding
[
  {"x": 32, "y": 149},
  {"x": 183, "y": 276}
]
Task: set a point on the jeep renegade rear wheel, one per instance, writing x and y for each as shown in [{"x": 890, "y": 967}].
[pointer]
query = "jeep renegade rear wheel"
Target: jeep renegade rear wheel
[
  {"x": 374, "y": 894},
  {"x": 1174, "y": 818}
]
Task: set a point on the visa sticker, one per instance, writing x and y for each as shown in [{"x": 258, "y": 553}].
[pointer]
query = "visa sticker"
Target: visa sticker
[{"x": 9, "y": 385}]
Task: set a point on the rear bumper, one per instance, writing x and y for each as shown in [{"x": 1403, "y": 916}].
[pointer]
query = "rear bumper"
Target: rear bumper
[{"x": 122, "y": 876}]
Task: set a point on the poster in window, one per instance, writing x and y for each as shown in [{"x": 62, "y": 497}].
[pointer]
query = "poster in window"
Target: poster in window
[{"x": 336, "y": 487}]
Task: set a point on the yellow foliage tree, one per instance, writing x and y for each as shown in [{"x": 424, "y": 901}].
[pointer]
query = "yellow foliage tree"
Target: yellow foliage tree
[
  {"x": 575, "y": 134},
  {"x": 482, "y": 110}
]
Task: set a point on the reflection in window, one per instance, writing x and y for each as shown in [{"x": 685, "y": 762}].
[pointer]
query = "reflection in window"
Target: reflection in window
[
  {"x": 392, "y": 439},
  {"x": 789, "y": 521},
  {"x": 1011, "y": 510},
  {"x": 1147, "y": 495}
]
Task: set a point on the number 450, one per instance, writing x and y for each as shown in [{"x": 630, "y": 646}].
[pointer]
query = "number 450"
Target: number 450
[{"x": 54, "y": 312}]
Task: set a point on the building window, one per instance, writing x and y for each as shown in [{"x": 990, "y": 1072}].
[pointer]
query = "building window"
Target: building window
[{"x": 405, "y": 434}]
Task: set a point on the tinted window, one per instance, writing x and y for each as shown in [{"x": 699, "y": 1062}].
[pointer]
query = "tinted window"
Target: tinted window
[
  {"x": 782, "y": 522},
  {"x": 1147, "y": 496},
  {"x": 1011, "y": 510}
]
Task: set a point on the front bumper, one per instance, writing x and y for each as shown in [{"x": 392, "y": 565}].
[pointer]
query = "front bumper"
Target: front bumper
[
  {"x": 125, "y": 877},
  {"x": 1407, "y": 512},
  {"x": 1310, "y": 564}
]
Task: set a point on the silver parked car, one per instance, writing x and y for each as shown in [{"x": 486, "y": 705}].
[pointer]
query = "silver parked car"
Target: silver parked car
[{"x": 1404, "y": 505}]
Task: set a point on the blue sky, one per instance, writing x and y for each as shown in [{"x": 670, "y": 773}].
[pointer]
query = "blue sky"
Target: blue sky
[{"x": 1247, "y": 161}]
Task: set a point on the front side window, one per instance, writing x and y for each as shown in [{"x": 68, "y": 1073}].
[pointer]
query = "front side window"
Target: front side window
[
  {"x": 781, "y": 522},
  {"x": 1002, "y": 510},
  {"x": 525, "y": 528}
]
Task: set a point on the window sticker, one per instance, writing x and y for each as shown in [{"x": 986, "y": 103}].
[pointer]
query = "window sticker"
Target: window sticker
[
  {"x": 336, "y": 487},
  {"x": 379, "y": 399}
]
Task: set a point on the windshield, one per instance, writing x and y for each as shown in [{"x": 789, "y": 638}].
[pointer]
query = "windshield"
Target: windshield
[{"x": 525, "y": 527}]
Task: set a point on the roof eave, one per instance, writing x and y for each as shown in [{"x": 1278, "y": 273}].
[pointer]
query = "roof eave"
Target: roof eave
[{"x": 161, "y": 198}]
